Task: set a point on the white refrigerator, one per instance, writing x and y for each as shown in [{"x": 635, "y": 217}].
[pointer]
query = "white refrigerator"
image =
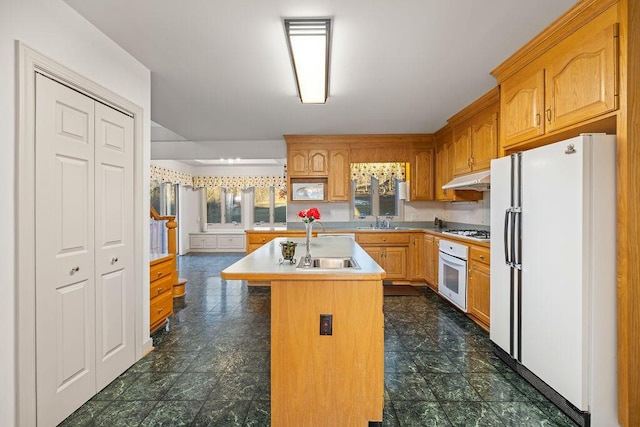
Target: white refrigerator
[{"x": 553, "y": 277}]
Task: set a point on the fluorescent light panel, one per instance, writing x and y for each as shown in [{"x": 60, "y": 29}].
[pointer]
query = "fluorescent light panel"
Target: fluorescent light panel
[{"x": 309, "y": 41}]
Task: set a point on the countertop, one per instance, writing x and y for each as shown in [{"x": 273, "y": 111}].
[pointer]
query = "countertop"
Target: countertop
[
  {"x": 263, "y": 263},
  {"x": 438, "y": 232}
]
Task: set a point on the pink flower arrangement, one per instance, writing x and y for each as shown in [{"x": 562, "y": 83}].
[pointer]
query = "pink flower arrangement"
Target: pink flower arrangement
[{"x": 309, "y": 215}]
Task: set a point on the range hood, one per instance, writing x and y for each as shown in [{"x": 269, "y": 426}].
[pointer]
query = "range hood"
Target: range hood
[{"x": 477, "y": 181}]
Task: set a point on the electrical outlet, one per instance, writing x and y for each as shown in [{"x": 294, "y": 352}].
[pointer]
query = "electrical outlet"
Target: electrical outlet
[{"x": 326, "y": 324}]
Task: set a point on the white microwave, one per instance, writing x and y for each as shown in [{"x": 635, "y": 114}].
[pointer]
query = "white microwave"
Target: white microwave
[{"x": 307, "y": 191}]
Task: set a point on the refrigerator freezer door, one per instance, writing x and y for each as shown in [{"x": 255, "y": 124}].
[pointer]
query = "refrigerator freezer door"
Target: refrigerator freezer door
[
  {"x": 500, "y": 298},
  {"x": 554, "y": 333}
]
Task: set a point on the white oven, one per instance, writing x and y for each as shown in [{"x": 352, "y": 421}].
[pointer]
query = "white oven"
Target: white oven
[{"x": 452, "y": 273}]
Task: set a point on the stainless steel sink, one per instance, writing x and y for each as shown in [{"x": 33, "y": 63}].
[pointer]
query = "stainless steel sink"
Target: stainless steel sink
[{"x": 330, "y": 263}]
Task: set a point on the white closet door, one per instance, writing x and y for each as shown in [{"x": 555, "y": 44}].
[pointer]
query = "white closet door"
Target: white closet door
[
  {"x": 114, "y": 244},
  {"x": 65, "y": 287}
]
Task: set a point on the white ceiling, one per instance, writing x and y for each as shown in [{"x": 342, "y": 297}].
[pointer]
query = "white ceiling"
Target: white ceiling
[{"x": 222, "y": 80}]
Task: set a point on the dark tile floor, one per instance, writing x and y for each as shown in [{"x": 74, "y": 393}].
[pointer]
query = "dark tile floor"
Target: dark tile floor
[{"x": 212, "y": 367}]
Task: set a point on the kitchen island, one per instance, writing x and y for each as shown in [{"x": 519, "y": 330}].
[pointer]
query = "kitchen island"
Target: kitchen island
[{"x": 327, "y": 334}]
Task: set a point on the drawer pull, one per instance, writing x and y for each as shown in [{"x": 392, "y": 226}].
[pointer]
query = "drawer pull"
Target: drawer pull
[
  {"x": 481, "y": 256},
  {"x": 159, "y": 290},
  {"x": 159, "y": 273},
  {"x": 160, "y": 310}
]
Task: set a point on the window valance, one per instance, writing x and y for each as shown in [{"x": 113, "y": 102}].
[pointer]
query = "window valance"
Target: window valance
[
  {"x": 242, "y": 182},
  {"x": 167, "y": 175},
  {"x": 362, "y": 172},
  {"x": 160, "y": 174}
]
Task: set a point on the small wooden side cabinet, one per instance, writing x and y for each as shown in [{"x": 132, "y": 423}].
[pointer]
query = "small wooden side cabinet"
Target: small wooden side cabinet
[{"x": 161, "y": 291}]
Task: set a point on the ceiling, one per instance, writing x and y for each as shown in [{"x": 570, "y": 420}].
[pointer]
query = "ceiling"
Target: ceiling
[{"x": 222, "y": 84}]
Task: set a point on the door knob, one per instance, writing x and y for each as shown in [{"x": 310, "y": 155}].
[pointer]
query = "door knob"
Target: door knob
[
  {"x": 74, "y": 270},
  {"x": 114, "y": 260}
]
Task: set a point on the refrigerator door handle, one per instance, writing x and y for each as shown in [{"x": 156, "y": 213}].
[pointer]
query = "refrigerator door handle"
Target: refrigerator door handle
[{"x": 506, "y": 236}]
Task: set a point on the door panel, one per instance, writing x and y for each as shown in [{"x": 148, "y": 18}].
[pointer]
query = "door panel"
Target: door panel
[
  {"x": 114, "y": 253},
  {"x": 65, "y": 293}
]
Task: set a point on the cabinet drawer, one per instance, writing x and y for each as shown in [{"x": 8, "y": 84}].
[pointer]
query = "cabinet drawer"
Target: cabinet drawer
[
  {"x": 261, "y": 238},
  {"x": 161, "y": 307},
  {"x": 480, "y": 254},
  {"x": 161, "y": 270},
  {"x": 383, "y": 238},
  {"x": 160, "y": 286}
]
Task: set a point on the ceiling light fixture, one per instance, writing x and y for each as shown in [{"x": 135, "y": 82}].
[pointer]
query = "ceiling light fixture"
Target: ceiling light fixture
[{"x": 309, "y": 41}]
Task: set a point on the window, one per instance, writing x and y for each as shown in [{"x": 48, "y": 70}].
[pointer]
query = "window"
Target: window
[
  {"x": 224, "y": 205},
  {"x": 164, "y": 198},
  {"x": 374, "y": 187},
  {"x": 376, "y": 198},
  {"x": 269, "y": 205}
]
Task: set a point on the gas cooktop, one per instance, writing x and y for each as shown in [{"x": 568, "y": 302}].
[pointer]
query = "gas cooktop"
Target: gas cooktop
[{"x": 479, "y": 235}]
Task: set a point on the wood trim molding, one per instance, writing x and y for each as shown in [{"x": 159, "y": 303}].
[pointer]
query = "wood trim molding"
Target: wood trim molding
[
  {"x": 576, "y": 17},
  {"x": 479, "y": 105},
  {"x": 30, "y": 61}
]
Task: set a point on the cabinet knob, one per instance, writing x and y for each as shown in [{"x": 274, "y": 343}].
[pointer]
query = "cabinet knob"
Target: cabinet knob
[
  {"x": 160, "y": 310},
  {"x": 159, "y": 273},
  {"x": 481, "y": 256},
  {"x": 160, "y": 290},
  {"x": 384, "y": 239}
]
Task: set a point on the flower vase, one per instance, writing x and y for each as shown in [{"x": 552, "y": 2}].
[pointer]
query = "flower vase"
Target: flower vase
[{"x": 308, "y": 229}]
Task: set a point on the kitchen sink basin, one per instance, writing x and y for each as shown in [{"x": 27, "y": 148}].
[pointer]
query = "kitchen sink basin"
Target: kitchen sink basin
[
  {"x": 384, "y": 228},
  {"x": 330, "y": 263}
]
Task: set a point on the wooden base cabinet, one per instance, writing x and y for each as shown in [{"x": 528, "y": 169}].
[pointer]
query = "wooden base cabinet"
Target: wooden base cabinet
[
  {"x": 327, "y": 380},
  {"x": 479, "y": 288},
  {"x": 431, "y": 261},
  {"x": 161, "y": 291},
  {"x": 389, "y": 250},
  {"x": 416, "y": 257}
]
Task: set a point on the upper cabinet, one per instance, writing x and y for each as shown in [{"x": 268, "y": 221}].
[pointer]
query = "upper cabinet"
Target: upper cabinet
[
  {"x": 422, "y": 174},
  {"x": 475, "y": 135},
  {"x": 339, "y": 175},
  {"x": 304, "y": 162},
  {"x": 445, "y": 163},
  {"x": 571, "y": 83}
]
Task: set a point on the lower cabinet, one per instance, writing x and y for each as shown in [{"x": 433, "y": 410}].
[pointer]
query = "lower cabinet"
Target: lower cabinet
[
  {"x": 389, "y": 250},
  {"x": 431, "y": 261},
  {"x": 393, "y": 260},
  {"x": 417, "y": 265},
  {"x": 217, "y": 242},
  {"x": 161, "y": 291},
  {"x": 479, "y": 289}
]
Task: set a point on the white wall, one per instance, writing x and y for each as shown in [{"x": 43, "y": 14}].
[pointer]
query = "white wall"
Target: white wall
[
  {"x": 469, "y": 212},
  {"x": 55, "y": 30}
]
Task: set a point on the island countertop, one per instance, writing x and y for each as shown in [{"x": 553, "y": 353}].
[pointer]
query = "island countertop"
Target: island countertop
[{"x": 263, "y": 264}]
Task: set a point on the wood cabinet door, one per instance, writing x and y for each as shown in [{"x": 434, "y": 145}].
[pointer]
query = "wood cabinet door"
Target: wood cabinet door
[
  {"x": 395, "y": 262},
  {"x": 298, "y": 162},
  {"x": 376, "y": 253},
  {"x": 430, "y": 263},
  {"x": 318, "y": 162},
  {"x": 442, "y": 172},
  {"x": 339, "y": 176},
  {"x": 479, "y": 291},
  {"x": 416, "y": 257},
  {"x": 484, "y": 141},
  {"x": 521, "y": 107},
  {"x": 461, "y": 150},
  {"x": 422, "y": 175},
  {"x": 581, "y": 79}
]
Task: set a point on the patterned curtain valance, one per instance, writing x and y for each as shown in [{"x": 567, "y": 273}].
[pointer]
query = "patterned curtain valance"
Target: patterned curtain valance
[
  {"x": 167, "y": 175},
  {"x": 242, "y": 182},
  {"x": 362, "y": 172}
]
